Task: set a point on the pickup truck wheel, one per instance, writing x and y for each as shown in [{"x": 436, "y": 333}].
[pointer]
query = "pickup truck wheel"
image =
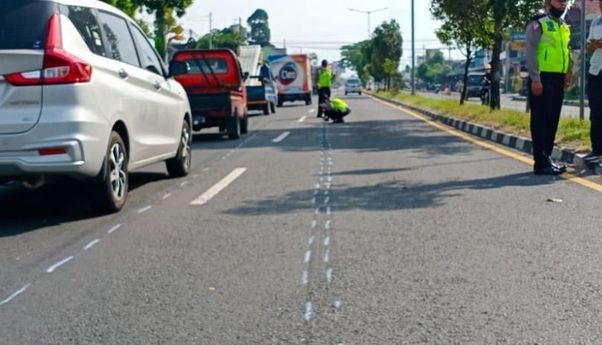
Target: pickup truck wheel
[
  {"x": 113, "y": 187},
  {"x": 273, "y": 108},
  {"x": 234, "y": 128},
  {"x": 266, "y": 109},
  {"x": 180, "y": 165},
  {"x": 244, "y": 125}
]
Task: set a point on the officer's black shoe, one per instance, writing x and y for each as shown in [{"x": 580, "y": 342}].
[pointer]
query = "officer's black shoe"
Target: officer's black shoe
[
  {"x": 592, "y": 157},
  {"x": 551, "y": 170},
  {"x": 559, "y": 166}
]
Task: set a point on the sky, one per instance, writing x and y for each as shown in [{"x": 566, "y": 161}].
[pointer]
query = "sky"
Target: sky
[{"x": 321, "y": 27}]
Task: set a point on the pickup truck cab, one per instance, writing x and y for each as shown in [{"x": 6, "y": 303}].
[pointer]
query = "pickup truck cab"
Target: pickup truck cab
[
  {"x": 262, "y": 92},
  {"x": 216, "y": 90}
]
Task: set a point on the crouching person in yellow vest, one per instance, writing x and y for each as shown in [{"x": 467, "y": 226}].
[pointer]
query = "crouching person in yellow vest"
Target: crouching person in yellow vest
[{"x": 335, "y": 109}]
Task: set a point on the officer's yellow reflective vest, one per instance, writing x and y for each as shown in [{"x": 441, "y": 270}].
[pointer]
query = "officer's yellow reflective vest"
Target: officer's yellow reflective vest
[
  {"x": 325, "y": 77},
  {"x": 553, "y": 50},
  {"x": 338, "y": 104}
]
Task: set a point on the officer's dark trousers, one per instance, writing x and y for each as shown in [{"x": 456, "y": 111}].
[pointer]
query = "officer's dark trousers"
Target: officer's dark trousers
[
  {"x": 323, "y": 93},
  {"x": 545, "y": 115},
  {"x": 594, "y": 89},
  {"x": 337, "y": 115}
]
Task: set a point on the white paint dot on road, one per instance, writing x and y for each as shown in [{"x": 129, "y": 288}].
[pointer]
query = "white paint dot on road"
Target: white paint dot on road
[
  {"x": 305, "y": 278},
  {"x": 307, "y": 256},
  {"x": 327, "y": 224},
  {"x": 302, "y": 119},
  {"x": 281, "y": 137},
  {"x": 311, "y": 111},
  {"x": 58, "y": 264},
  {"x": 218, "y": 187},
  {"x": 329, "y": 273},
  {"x": 91, "y": 244},
  {"x": 327, "y": 241},
  {"x": 15, "y": 294},
  {"x": 309, "y": 311},
  {"x": 166, "y": 196},
  {"x": 183, "y": 183},
  {"x": 314, "y": 223}
]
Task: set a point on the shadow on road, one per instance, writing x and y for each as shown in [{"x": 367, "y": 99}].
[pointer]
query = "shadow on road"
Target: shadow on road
[
  {"x": 23, "y": 210},
  {"x": 391, "y": 195}
]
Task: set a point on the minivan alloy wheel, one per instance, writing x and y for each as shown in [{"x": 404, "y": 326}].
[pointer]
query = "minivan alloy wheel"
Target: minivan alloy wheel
[
  {"x": 117, "y": 171},
  {"x": 186, "y": 148}
]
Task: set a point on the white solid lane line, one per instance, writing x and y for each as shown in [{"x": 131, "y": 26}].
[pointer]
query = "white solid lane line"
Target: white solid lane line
[
  {"x": 218, "y": 187},
  {"x": 302, "y": 119},
  {"x": 281, "y": 137},
  {"x": 15, "y": 294},
  {"x": 58, "y": 264}
]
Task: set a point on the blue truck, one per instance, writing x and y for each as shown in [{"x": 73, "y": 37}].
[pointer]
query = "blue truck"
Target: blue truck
[{"x": 261, "y": 91}]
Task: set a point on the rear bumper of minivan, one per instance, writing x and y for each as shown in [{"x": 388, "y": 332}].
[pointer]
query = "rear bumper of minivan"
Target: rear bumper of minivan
[{"x": 68, "y": 148}]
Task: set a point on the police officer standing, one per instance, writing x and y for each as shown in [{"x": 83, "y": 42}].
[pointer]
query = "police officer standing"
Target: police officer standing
[
  {"x": 549, "y": 64},
  {"x": 324, "y": 79}
]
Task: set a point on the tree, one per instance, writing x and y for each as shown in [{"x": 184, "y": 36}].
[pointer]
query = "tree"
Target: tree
[
  {"x": 165, "y": 21},
  {"x": 356, "y": 57},
  {"x": 260, "y": 29},
  {"x": 434, "y": 70},
  {"x": 231, "y": 38},
  {"x": 505, "y": 15},
  {"x": 386, "y": 45},
  {"x": 462, "y": 27},
  {"x": 127, "y": 6}
]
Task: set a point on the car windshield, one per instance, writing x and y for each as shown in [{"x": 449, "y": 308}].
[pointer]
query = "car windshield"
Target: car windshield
[{"x": 17, "y": 33}]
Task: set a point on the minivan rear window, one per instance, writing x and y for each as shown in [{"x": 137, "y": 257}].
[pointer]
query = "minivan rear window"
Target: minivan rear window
[{"x": 23, "y": 24}]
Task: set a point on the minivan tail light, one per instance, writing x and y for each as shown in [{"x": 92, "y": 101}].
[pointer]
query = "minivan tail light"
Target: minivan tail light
[{"x": 59, "y": 66}]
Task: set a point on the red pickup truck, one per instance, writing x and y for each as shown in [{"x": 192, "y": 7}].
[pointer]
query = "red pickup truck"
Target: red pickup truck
[{"x": 215, "y": 85}]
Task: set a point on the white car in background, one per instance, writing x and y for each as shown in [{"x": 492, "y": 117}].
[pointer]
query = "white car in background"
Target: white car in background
[
  {"x": 353, "y": 86},
  {"x": 84, "y": 94}
]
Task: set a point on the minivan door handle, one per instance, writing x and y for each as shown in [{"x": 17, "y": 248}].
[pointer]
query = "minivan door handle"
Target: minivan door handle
[
  {"x": 123, "y": 74},
  {"x": 157, "y": 85}
]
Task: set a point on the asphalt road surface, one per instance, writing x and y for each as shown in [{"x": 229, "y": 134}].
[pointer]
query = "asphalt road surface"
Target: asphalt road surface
[{"x": 381, "y": 230}]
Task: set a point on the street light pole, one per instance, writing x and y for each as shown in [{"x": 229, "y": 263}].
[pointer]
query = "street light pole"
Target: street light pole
[
  {"x": 414, "y": 52},
  {"x": 583, "y": 62},
  {"x": 368, "y": 13}
]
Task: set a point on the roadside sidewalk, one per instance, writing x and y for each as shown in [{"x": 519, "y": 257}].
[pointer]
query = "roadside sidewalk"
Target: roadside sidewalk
[{"x": 509, "y": 140}]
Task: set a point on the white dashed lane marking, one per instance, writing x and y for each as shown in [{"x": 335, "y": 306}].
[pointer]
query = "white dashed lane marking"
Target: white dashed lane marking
[
  {"x": 58, "y": 264},
  {"x": 144, "y": 209},
  {"x": 113, "y": 229},
  {"x": 302, "y": 119},
  {"x": 91, "y": 244},
  {"x": 15, "y": 294},
  {"x": 281, "y": 137},
  {"x": 218, "y": 187}
]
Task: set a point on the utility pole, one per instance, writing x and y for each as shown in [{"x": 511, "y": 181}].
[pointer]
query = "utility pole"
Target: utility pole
[
  {"x": 368, "y": 13},
  {"x": 583, "y": 62},
  {"x": 210, "y": 29},
  {"x": 413, "y": 52}
]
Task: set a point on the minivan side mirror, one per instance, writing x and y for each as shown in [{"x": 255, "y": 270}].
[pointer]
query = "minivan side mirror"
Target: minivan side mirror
[{"x": 245, "y": 76}]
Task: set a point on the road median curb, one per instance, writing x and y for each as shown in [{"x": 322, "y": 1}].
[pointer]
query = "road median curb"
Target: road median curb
[{"x": 513, "y": 141}]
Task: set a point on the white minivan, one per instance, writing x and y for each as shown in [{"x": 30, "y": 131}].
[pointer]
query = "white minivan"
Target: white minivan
[{"x": 84, "y": 94}]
